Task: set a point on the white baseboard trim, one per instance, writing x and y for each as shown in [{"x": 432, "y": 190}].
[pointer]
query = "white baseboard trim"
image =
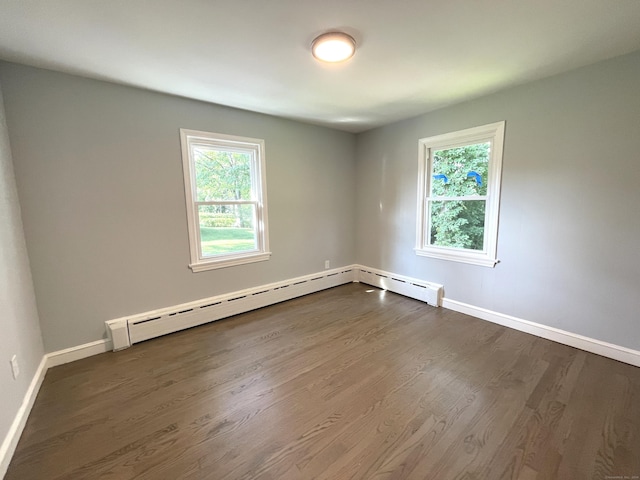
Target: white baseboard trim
[
  {"x": 15, "y": 431},
  {"x": 78, "y": 352},
  {"x": 616, "y": 352}
]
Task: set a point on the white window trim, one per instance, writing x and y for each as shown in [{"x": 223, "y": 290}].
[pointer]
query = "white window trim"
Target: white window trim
[
  {"x": 493, "y": 133},
  {"x": 262, "y": 253}
]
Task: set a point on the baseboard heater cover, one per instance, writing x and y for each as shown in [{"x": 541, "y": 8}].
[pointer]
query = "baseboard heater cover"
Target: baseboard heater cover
[
  {"x": 126, "y": 331},
  {"x": 427, "y": 292}
]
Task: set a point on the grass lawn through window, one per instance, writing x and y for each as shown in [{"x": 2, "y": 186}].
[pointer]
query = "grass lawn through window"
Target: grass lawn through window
[{"x": 218, "y": 240}]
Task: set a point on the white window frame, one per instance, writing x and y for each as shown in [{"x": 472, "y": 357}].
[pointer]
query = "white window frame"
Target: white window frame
[
  {"x": 493, "y": 133},
  {"x": 255, "y": 146}
]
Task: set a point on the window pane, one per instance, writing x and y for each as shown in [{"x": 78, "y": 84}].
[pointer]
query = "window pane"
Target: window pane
[
  {"x": 221, "y": 174},
  {"x": 457, "y": 223},
  {"x": 226, "y": 229},
  {"x": 461, "y": 171}
]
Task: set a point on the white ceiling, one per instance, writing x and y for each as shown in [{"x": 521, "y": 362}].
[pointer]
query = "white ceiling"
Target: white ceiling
[{"x": 413, "y": 55}]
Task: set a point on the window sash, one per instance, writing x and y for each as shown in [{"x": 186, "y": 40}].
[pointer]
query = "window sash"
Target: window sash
[
  {"x": 428, "y": 224},
  {"x": 254, "y": 154},
  {"x": 228, "y": 202},
  {"x": 476, "y": 141},
  {"x": 463, "y": 198},
  {"x": 257, "y": 237}
]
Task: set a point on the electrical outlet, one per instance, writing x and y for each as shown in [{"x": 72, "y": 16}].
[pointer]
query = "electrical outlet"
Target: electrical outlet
[
  {"x": 326, "y": 264},
  {"x": 15, "y": 368}
]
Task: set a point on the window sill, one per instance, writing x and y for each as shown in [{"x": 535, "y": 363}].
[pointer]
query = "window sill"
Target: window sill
[
  {"x": 462, "y": 257},
  {"x": 212, "y": 264}
]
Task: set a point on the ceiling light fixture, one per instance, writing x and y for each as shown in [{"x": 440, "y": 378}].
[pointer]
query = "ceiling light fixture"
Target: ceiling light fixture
[{"x": 333, "y": 47}]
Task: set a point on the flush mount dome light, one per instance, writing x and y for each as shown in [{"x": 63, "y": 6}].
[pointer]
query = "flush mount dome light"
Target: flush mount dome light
[{"x": 333, "y": 47}]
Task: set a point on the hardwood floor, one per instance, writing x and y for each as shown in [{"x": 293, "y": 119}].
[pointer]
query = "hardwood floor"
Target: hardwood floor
[{"x": 349, "y": 383}]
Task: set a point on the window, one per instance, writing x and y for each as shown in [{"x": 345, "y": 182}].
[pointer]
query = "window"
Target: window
[
  {"x": 459, "y": 195},
  {"x": 225, "y": 187}
]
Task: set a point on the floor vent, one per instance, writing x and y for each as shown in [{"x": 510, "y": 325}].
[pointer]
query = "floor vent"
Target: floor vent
[
  {"x": 428, "y": 292},
  {"x": 129, "y": 330}
]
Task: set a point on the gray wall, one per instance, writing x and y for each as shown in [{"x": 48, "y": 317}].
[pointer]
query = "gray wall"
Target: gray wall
[
  {"x": 570, "y": 214},
  {"x": 100, "y": 182},
  {"x": 19, "y": 328}
]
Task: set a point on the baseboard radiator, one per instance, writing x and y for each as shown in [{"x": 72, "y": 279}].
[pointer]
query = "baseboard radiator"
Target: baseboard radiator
[
  {"x": 427, "y": 292},
  {"x": 126, "y": 331},
  {"x": 129, "y": 330}
]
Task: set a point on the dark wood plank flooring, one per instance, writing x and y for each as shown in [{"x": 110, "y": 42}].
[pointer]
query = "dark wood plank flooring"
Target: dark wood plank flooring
[{"x": 349, "y": 383}]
